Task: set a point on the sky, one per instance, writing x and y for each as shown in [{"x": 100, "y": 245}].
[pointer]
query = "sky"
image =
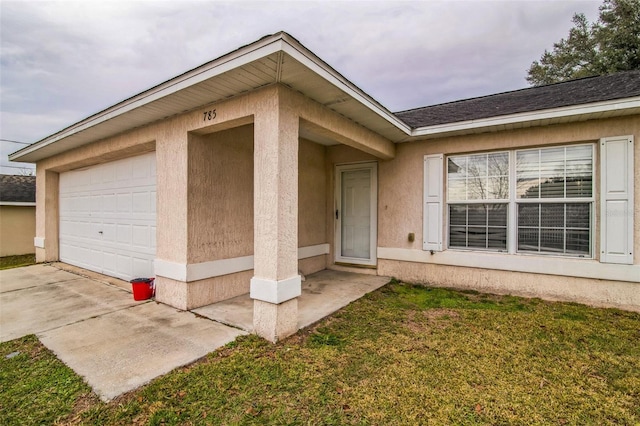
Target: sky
[{"x": 62, "y": 61}]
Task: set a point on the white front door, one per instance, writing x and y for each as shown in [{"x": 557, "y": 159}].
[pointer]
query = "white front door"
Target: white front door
[{"x": 356, "y": 213}]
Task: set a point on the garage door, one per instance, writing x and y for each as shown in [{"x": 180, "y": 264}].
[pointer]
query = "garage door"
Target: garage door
[{"x": 108, "y": 217}]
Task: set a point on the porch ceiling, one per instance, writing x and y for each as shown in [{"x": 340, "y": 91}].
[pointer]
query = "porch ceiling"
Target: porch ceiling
[{"x": 275, "y": 59}]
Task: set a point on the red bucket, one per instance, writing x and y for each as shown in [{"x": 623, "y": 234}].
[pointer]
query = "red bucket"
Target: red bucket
[{"x": 142, "y": 288}]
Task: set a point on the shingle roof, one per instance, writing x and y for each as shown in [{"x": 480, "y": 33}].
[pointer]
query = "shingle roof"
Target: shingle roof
[
  {"x": 21, "y": 189},
  {"x": 569, "y": 93}
]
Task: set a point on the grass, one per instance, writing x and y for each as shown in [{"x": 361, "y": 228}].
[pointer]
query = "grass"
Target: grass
[
  {"x": 36, "y": 388},
  {"x": 401, "y": 355},
  {"x": 8, "y": 262}
]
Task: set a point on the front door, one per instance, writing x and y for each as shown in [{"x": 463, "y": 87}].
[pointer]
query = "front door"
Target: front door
[{"x": 356, "y": 213}]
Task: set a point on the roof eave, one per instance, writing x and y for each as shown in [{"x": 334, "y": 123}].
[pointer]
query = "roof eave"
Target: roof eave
[
  {"x": 218, "y": 66},
  {"x": 572, "y": 113},
  {"x": 238, "y": 58}
]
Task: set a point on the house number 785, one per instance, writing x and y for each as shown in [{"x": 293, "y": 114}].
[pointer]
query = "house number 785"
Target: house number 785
[{"x": 209, "y": 115}]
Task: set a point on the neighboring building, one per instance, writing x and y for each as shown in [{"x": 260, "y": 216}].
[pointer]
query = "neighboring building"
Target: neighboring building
[
  {"x": 17, "y": 214},
  {"x": 235, "y": 176}
]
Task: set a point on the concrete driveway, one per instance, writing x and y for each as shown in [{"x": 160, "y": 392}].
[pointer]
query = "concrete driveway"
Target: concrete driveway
[{"x": 97, "y": 329}]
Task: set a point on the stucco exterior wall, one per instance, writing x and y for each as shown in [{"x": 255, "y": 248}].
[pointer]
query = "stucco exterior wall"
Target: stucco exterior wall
[
  {"x": 602, "y": 293},
  {"x": 220, "y": 194},
  {"x": 312, "y": 193},
  {"x": 400, "y": 180},
  {"x": 400, "y": 212},
  {"x": 17, "y": 230}
]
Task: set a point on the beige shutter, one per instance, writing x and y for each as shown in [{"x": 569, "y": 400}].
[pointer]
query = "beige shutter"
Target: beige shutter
[
  {"x": 616, "y": 200},
  {"x": 432, "y": 227}
]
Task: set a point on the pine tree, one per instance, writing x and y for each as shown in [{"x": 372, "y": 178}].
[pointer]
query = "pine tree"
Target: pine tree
[{"x": 610, "y": 45}]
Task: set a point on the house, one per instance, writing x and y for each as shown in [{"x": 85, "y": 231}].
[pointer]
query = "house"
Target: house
[
  {"x": 17, "y": 214},
  {"x": 238, "y": 175}
]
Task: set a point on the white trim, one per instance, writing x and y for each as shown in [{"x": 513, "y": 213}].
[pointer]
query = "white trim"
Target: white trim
[
  {"x": 373, "y": 237},
  {"x": 173, "y": 270},
  {"x": 216, "y": 268},
  {"x": 547, "y": 114},
  {"x": 280, "y": 42},
  {"x": 318, "y": 66},
  {"x": 201, "y": 271},
  {"x": 312, "y": 251},
  {"x": 273, "y": 291},
  {"x": 17, "y": 203},
  {"x": 38, "y": 242},
  {"x": 226, "y": 63},
  {"x": 547, "y": 265}
]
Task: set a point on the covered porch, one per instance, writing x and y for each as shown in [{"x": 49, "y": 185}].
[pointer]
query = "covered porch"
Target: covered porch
[
  {"x": 249, "y": 204},
  {"x": 323, "y": 293}
]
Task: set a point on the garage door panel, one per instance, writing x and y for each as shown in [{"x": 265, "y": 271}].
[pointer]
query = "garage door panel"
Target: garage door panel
[
  {"x": 123, "y": 170},
  {"x": 123, "y": 234},
  {"x": 141, "y": 268},
  {"x": 123, "y": 202},
  {"x": 108, "y": 217},
  {"x": 152, "y": 209},
  {"x": 141, "y": 202},
  {"x": 141, "y": 236},
  {"x": 109, "y": 263},
  {"x": 109, "y": 202},
  {"x": 96, "y": 203},
  {"x": 153, "y": 239},
  {"x": 124, "y": 264},
  {"x": 108, "y": 232}
]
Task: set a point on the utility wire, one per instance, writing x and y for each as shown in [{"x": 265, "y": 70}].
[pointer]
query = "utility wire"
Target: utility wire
[
  {"x": 9, "y": 140},
  {"x": 18, "y": 167}
]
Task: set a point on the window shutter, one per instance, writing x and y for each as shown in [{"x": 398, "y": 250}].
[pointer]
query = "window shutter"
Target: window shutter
[
  {"x": 432, "y": 227},
  {"x": 616, "y": 200}
]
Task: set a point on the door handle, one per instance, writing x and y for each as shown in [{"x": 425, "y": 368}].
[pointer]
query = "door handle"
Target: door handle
[
  {"x": 337, "y": 214},
  {"x": 99, "y": 232}
]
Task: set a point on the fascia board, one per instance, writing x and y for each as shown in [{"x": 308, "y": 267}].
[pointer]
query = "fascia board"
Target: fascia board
[
  {"x": 315, "y": 64},
  {"x": 570, "y": 111},
  {"x": 18, "y": 203}
]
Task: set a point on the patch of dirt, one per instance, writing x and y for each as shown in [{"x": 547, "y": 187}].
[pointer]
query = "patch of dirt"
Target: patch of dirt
[
  {"x": 418, "y": 321},
  {"x": 83, "y": 403},
  {"x": 441, "y": 313}
]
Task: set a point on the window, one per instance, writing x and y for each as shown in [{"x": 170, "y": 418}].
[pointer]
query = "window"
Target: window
[
  {"x": 554, "y": 195},
  {"x": 525, "y": 201},
  {"x": 478, "y": 193}
]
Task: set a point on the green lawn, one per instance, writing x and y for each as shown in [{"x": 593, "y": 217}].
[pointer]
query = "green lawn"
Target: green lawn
[
  {"x": 401, "y": 355},
  {"x": 7, "y": 262}
]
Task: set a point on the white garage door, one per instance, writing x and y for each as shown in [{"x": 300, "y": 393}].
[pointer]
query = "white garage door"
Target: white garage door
[{"x": 108, "y": 217}]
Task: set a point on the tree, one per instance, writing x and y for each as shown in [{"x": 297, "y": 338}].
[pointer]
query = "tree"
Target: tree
[{"x": 610, "y": 45}]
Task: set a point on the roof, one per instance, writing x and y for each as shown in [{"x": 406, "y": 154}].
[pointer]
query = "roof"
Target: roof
[
  {"x": 274, "y": 59},
  {"x": 17, "y": 189},
  {"x": 576, "y": 92},
  {"x": 281, "y": 59}
]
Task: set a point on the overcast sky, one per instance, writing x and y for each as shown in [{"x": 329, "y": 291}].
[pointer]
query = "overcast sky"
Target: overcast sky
[{"x": 62, "y": 61}]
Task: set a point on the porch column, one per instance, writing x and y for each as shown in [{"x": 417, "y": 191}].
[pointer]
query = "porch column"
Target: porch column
[
  {"x": 276, "y": 283},
  {"x": 172, "y": 163},
  {"x": 47, "y": 206}
]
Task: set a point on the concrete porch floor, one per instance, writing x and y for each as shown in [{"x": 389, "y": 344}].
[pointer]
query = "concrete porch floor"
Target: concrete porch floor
[{"x": 323, "y": 293}]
